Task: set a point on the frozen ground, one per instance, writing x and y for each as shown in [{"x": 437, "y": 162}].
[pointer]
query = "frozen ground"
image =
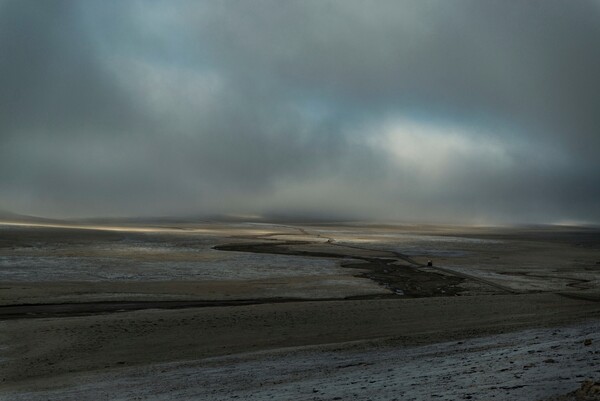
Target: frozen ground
[
  {"x": 148, "y": 257},
  {"x": 212, "y": 265},
  {"x": 526, "y": 365},
  {"x": 508, "y": 279},
  {"x": 551, "y": 259}
]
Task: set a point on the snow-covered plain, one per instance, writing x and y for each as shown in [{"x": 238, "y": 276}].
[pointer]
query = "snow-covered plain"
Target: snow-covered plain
[
  {"x": 527, "y": 365},
  {"x": 152, "y": 261}
]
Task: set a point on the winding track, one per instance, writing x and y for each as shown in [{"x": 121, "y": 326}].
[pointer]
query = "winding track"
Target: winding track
[{"x": 406, "y": 258}]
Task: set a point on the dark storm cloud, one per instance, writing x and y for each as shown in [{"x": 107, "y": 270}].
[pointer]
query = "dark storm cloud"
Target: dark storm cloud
[
  {"x": 412, "y": 110},
  {"x": 51, "y": 78}
]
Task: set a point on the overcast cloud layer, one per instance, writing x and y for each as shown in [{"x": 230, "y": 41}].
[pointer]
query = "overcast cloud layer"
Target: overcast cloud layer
[{"x": 447, "y": 111}]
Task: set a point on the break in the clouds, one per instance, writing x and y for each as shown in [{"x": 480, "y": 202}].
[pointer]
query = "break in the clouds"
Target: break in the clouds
[{"x": 404, "y": 110}]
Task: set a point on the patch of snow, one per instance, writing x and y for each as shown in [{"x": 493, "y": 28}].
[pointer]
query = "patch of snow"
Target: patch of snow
[{"x": 526, "y": 365}]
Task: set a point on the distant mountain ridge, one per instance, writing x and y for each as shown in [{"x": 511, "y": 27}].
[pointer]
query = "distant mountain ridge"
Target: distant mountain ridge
[{"x": 11, "y": 217}]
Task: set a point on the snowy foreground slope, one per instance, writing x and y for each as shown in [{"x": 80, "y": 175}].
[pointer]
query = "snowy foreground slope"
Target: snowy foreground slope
[{"x": 527, "y": 365}]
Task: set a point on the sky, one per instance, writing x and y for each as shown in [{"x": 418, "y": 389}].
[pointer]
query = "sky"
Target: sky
[{"x": 458, "y": 111}]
